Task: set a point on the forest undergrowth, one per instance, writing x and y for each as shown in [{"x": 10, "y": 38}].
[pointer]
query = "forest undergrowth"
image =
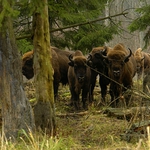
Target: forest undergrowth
[{"x": 95, "y": 129}]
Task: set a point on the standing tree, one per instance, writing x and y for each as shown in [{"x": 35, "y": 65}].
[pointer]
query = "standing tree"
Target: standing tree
[
  {"x": 16, "y": 110},
  {"x": 44, "y": 109}
]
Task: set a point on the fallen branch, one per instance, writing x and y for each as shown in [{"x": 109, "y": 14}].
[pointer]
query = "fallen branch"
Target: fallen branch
[
  {"x": 122, "y": 113},
  {"x": 78, "y": 114}
]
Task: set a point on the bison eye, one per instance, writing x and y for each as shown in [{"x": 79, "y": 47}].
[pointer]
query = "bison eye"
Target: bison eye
[
  {"x": 75, "y": 66},
  {"x": 29, "y": 62},
  {"x": 109, "y": 62},
  {"x": 122, "y": 63}
]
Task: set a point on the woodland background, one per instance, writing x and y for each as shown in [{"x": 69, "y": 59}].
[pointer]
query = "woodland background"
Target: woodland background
[{"x": 72, "y": 25}]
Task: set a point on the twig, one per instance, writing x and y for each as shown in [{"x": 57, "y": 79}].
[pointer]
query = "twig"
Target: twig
[{"x": 77, "y": 114}]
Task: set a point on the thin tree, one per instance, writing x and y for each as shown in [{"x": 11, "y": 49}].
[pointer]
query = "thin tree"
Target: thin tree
[
  {"x": 16, "y": 110},
  {"x": 44, "y": 109}
]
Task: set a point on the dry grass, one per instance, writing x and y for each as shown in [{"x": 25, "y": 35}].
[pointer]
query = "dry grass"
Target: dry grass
[{"x": 91, "y": 131}]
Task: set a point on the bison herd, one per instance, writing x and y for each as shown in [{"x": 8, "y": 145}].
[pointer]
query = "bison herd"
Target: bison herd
[{"x": 113, "y": 67}]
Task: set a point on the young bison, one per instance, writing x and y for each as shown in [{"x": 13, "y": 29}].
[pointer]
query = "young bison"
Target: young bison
[
  {"x": 79, "y": 75},
  {"x": 143, "y": 62},
  {"x": 99, "y": 67}
]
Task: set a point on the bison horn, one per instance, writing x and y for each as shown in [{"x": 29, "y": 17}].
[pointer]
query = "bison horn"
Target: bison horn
[
  {"x": 89, "y": 57},
  {"x": 70, "y": 57},
  {"x": 127, "y": 57},
  {"x": 102, "y": 54},
  {"x": 104, "y": 51},
  {"x": 89, "y": 60},
  {"x": 71, "y": 63},
  {"x": 142, "y": 58}
]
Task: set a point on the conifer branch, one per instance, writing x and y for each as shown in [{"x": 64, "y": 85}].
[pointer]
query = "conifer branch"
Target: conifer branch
[
  {"x": 88, "y": 22},
  {"x": 76, "y": 25}
]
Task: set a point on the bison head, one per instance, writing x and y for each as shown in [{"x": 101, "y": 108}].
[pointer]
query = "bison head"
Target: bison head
[
  {"x": 79, "y": 64},
  {"x": 116, "y": 62},
  {"x": 95, "y": 58},
  {"x": 140, "y": 64},
  {"x": 27, "y": 65}
]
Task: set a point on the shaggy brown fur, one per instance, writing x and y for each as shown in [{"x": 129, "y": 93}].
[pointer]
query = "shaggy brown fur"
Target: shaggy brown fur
[
  {"x": 79, "y": 75},
  {"x": 59, "y": 62},
  {"x": 99, "y": 68},
  {"x": 121, "y": 70}
]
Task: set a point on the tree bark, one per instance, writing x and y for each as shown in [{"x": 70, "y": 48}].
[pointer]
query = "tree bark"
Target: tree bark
[
  {"x": 17, "y": 113},
  {"x": 44, "y": 109}
]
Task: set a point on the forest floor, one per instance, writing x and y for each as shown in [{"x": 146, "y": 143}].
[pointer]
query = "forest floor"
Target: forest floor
[{"x": 94, "y": 129}]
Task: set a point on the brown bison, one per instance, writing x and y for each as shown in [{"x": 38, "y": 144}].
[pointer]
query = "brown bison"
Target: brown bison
[
  {"x": 143, "y": 67},
  {"x": 27, "y": 65},
  {"x": 121, "y": 70},
  {"x": 79, "y": 75},
  {"x": 59, "y": 62},
  {"x": 99, "y": 67},
  {"x": 143, "y": 62}
]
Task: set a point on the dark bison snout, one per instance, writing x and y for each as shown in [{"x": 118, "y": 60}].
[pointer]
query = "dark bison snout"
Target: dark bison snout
[
  {"x": 81, "y": 79},
  {"x": 138, "y": 69},
  {"x": 116, "y": 73},
  {"x": 28, "y": 73}
]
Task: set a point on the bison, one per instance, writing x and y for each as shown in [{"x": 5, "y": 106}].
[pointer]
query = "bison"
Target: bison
[
  {"x": 27, "y": 65},
  {"x": 121, "y": 70},
  {"x": 143, "y": 66},
  {"x": 99, "y": 67},
  {"x": 79, "y": 75},
  {"x": 59, "y": 63},
  {"x": 142, "y": 60}
]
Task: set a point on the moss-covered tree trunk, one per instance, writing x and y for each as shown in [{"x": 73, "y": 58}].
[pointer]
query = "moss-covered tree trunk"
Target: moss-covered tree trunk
[
  {"x": 44, "y": 109},
  {"x": 16, "y": 110}
]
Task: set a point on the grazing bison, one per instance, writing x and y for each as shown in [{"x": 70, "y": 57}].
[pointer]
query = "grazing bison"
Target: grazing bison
[
  {"x": 98, "y": 67},
  {"x": 143, "y": 62},
  {"x": 59, "y": 62},
  {"x": 121, "y": 70},
  {"x": 79, "y": 75}
]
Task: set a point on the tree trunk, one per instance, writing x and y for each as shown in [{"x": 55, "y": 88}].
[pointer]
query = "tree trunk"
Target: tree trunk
[
  {"x": 44, "y": 109},
  {"x": 16, "y": 110}
]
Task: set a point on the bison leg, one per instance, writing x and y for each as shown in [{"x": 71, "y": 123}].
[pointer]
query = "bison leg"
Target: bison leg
[
  {"x": 146, "y": 88},
  {"x": 76, "y": 103},
  {"x": 112, "y": 98},
  {"x": 127, "y": 91},
  {"x": 103, "y": 84},
  {"x": 74, "y": 99},
  {"x": 56, "y": 85},
  {"x": 92, "y": 86},
  {"x": 127, "y": 95},
  {"x": 115, "y": 94},
  {"x": 85, "y": 94},
  {"x": 146, "y": 83}
]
